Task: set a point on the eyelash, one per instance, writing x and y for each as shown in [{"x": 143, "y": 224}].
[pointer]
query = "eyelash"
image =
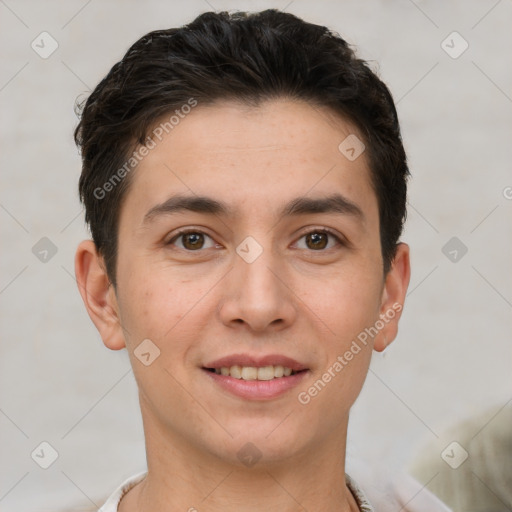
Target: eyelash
[{"x": 327, "y": 231}]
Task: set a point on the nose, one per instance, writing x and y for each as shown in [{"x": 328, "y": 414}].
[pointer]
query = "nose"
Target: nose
[{"x": 257, "y": 296}]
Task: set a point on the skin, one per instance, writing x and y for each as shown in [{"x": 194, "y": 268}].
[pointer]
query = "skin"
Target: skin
[{"x": 199, "y": 305}]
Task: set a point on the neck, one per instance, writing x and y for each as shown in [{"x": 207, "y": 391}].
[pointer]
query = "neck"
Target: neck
[{"x": 181, "y": 477}]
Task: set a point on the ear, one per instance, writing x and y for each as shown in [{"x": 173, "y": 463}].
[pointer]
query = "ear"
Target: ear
[
  {"x": 98, "y": 294},
  {"x": 393, "y": 297}
]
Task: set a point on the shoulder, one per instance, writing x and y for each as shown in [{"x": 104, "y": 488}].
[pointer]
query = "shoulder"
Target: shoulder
[{"x": 112, "y": 503}]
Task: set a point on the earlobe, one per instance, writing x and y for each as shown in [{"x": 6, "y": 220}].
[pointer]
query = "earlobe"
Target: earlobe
[
  {"x": 393, "y": 297},
  {"x": 98, "y": 294}
]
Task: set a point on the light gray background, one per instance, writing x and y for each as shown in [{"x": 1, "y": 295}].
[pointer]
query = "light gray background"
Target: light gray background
[{"x": 59, "y": 384}]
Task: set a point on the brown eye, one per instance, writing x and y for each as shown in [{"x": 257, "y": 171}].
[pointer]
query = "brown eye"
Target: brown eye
[
  {"x": 192, "y": 241},
  {"x": 317, "y": 240}
]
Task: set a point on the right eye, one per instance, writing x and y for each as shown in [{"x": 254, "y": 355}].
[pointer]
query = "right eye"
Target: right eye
[{"x": 192, "y": 240}]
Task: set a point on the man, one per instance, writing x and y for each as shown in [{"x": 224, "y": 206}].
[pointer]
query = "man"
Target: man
[{"x": 244, "y": 180}]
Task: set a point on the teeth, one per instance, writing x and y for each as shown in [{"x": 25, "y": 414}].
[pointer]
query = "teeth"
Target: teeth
[
  {"x": 266, "y": 373},
  {"x": 235, "y": 371},
  {"x": 253, "y": 373}
]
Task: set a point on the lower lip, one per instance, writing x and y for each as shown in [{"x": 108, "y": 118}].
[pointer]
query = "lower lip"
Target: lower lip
[{"x": 257, "y": 389}]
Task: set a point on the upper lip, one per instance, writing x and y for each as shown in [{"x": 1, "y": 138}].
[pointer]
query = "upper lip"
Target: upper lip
[{"x": 256, "y": 361}]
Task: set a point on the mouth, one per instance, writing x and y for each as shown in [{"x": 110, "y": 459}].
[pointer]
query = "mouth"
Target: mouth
[
  {"x": 265, "y": 373},
  {"x": 256, "y": 378}
]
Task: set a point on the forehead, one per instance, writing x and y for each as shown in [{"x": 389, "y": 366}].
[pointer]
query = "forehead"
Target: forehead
[{"x": 254, "y": 158}]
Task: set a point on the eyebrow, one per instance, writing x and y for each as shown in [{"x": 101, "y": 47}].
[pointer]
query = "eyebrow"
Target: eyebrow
[{"x": 335, "y": 203}]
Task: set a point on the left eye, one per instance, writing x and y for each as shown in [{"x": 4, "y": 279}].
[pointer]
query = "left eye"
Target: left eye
[
  {"x": 192, "y": 241},
  {"x": 318, "y": 240}
]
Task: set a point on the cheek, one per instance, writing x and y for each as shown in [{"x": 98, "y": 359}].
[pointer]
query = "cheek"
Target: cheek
[
  {"x": 151, "y": 309},
  {"x": 346, "y": 309},
  {"x": 148, "y": 308},
  {"x": 345, "y": 303},
  {"x": 166, "y": 309}
]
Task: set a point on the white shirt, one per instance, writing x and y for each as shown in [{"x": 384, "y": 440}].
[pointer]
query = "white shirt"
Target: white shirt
[{"x": 112, "y": 503}]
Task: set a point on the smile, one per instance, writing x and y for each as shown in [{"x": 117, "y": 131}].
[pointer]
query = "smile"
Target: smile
[
  {"x": 253, "y": 373},
  {"x": 255, "y": 383}
]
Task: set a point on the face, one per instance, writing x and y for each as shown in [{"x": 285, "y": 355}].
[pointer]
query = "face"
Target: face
[{"x": 248, "y": 247}]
